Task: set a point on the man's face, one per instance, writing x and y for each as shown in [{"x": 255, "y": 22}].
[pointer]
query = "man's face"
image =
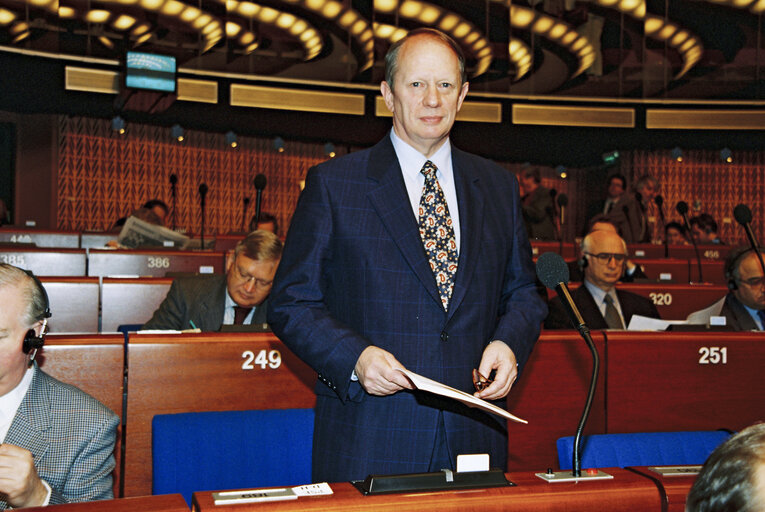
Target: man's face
[
  {"x": 615, "y": 188},
  {"x": 648, "y": 191},
  {"x": 161, "y": 213},
  {"x": 702, "y": 236},
  {"x": 675, "y": 237},
  {"x": 604, "y": 274},
  {"x": 13, "y": 362},
  {"x": 427, "y": 93},
  {"x": 528, "y": 184},
  {"x": 267, "y": 226},
  {"x": 249, "y": 281},
  {"x": 751, "y": 284}
]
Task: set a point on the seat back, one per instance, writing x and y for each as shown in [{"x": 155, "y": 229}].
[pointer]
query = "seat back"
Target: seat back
[
  {"x": 641, "y": 449},
  {"x": 229, "y": 450}
]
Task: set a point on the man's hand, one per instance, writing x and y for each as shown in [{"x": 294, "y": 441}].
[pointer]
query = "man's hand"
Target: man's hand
[
  {"x": 498, "y": 356},
  {"x": 376, "y": 370},
  {"x": 18, "y": 478}
]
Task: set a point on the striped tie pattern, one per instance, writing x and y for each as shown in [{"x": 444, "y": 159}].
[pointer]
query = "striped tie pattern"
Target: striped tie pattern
[{"x": 437, "y": 233}]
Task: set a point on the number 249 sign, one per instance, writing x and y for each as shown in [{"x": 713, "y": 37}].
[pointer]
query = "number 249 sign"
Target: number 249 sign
[{"x": 264, "y": 359}]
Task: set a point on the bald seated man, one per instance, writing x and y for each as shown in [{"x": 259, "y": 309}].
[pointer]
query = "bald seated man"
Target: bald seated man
[
  {"x": 632, "y": 272},
  {"x": 602, "y": 306}
]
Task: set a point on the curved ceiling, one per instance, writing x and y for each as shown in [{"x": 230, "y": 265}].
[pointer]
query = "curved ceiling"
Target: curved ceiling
[{"x": 689, "y": 49}]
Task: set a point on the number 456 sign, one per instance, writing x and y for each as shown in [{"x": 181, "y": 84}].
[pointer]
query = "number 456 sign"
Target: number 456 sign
[{"x": 264, "y": 359}]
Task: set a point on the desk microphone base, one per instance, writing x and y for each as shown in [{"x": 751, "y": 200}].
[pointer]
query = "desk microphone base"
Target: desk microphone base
[{"x": 567, "y": 476}]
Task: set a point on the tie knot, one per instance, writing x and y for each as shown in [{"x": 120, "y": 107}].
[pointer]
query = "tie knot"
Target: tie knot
[
  {"x": 429, "y": 169},
  {"x": 608, "y": 299}
]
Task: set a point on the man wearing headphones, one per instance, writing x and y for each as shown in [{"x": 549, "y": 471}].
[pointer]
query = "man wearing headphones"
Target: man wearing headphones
[
  {"x": 744, "y": 305},
  {"x": 57, "y": 442},
  {"x": 704, "y": 228},
  {"x": 602, "y": 306}
]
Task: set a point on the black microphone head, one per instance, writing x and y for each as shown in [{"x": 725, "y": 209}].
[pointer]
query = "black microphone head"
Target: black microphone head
[
  {"x": 682, "y": 207},
  {"x": 173, "y": 179},
  {"x": 246, "y": 201},
  {"x": 552, "y": 269},
  {"x": 743, "y": 214},
  {"x": 259, "y": 182},
  {"x": 553, "y": 193},
  {"x": 659, "y": 200},
  {"x": 638, "y": 196},
  {"x": 563, "y": 200},
  {"x": 203, "y": 189}
]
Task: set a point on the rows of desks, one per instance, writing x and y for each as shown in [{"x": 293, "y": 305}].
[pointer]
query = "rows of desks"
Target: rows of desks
[{"x": 647, "y": 382}]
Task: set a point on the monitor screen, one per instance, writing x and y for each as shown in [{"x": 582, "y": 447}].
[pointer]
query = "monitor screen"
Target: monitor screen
[{"x": 149, "y": 71}]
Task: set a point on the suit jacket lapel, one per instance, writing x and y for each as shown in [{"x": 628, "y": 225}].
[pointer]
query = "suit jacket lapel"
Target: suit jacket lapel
[
  {"x": 391, "y": 201},
  {"x": 32, "y": 418},
  {"x": 471, "y": 203}
]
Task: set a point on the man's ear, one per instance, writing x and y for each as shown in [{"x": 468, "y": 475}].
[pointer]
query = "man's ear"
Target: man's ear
[
  {"x": 229, "y": 261},
  {"x": 387, "y": 95}
]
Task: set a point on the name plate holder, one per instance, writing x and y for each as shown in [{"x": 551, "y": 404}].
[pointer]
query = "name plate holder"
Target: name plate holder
[{"x": 445, "y": 480}]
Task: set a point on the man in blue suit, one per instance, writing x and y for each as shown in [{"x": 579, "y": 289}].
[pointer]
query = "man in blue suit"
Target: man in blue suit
[{"x": 356, "y": 294}]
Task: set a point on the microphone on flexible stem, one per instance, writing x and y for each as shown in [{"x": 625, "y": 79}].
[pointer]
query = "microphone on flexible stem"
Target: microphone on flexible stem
[
  {"x": 260, "y": 184},
  {"x": 553, "y": 272},
  {"x": 173, "y": 181},
  {"x": 743, "y": 216},
  {"x": 562, "y": 203},
  {"x": 659, "y": 200},
  {"x": 682, "y": 209},
  {"x": 552, "y": 212},
  {"x": 202, "y": 194},
  {"x": 245, "y": 202},
  {"x": 626, "y": 210}
]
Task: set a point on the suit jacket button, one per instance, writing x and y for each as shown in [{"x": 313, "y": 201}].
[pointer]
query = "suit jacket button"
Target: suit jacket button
[{"x": 444, "y": 335}]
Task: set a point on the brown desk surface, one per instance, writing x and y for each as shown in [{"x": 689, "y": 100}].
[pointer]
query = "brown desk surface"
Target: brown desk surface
[
  {"x": 674, "y": 488},
  {"x": 676, "y": 271},
  {"x": 39, "y": 237},
  {"x": 684, "y": 381},
  {"x": 155, "y": 262},
  {"x": 164, "y": 503},
  {"x": 538, "y": 248},
  {"x": 203, "y": 372},
  {"x": 127, "y": 300},
  {"x": 46, "y": 262},
  {"x": 627, "y": 491},
  {"x": 73, "y": 302}
]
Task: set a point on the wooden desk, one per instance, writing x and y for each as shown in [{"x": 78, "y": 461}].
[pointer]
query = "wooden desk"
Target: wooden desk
[
  {"x": 227, "y": 242},
  {"x": 41, "y": 238},
  {"x": 93, "y": 363},
  {"x": 674, "y": 489},
  {"x": 156, "y": 263},
  {"x": 628, "y": 491},
  {"x": 73, "y": 303},
  {"x": 46, "y": 262},
  {"x": 538, "y": 248},
  {"x": 650, "y": 251},
  {"x": 684, "y": 381},
  {"x": 204, "y": 372},
  {"x": 164, "y": 503},
  {"x": 712, "y": 271},
  {"x": 675, "y": 301},
  {"x": 97, "y": 239},
  {"x": 550, "y": 395},
  {"x": 664, "y": 270},
  {"x": 130, "y": 300},
  {"x": 707, "y": 251}
]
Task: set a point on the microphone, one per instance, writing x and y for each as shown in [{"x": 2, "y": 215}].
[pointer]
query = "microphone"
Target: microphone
[
  {"x": 562, "y": 203},
  {"x": 743, "y": 216},
  {"x": 173, "y": 181},
  {"x": 626, "y": 211},
  {"x": 245, "y": 202},
  {"x": 659, "y": 200},
  {"x": 553, "y": 272},
  {"x": 682, "y": 209},
  {"x": 260, "y": 184},
  {"x": 202, "y": 194}
]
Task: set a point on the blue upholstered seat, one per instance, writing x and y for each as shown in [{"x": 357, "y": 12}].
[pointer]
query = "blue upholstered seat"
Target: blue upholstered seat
[
  {"x": 641, "y": 449},
  {"x": 229, "y": 450}
]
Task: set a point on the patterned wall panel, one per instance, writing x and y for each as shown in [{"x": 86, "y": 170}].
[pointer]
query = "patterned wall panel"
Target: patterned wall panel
[{"x": 708, "y": 185}]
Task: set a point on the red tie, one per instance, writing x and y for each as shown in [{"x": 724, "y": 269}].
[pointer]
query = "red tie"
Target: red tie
[{"x": 240, "y": 314}]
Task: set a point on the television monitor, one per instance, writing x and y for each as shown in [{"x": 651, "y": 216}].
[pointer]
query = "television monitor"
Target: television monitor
[{"x": 150, "y": 72}]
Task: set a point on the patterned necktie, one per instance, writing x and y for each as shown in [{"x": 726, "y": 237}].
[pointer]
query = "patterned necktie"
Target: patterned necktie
[
  {"x": 613, "y": 320},
  {"x": 437, "y": 233},
  {"x": 761, "y": 314},
  {"x": 240, "y": 314}
]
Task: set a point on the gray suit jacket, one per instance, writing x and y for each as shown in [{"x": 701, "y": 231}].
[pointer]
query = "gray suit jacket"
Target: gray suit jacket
[
  {"x": 199, "y": 299},
  {"x": 71, "y": 436}
]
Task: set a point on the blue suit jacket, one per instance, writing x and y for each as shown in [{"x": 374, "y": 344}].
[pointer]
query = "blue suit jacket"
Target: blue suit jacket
[{"x": 354, "y": 273}]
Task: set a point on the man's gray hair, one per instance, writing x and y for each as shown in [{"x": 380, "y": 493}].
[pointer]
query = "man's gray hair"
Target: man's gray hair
[
  {"x": 391, "y": 58},
  {"x": 33, "y": 295},
  {"x": 587, "y": 242},
  {"x": 260, "y": 245}
]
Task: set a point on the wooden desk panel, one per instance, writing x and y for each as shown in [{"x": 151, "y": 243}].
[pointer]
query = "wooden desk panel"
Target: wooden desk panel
[
  {"x": 675, "y": 488},
  {"x": 203, "y": 372},
  {"x": 550, "y": 395},
  {"x": 73, "y": 303},
  {"x": 712, "y": 271},
  {"x": 627, "y": 492},
  {"x": 156, "y": 263},
  {"x": 707, "y": 251},
  {"x": 41, "y": 238},
  {"x": 675, "y": 271},
  {"x": 46, "y": 262},
  {"x": 662, "y": 382},
  {"x": 131, "y": 300},
  {"x": 538, "y": 248},
  {"x": 93, "y": 363},
  {"x": 676, "y": 301},
  {"x": 650, "y": 251},
  {"x": 97, "y": 239},
  {"x": 164, "y": 503}
]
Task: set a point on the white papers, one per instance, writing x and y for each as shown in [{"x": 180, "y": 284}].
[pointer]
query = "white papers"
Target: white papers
[
  {"x": 646, "y": 323},
  {"x": 137, "y": 233},
  {"x": 281, "y": 494},
  {"x": 431, "y": 386}
]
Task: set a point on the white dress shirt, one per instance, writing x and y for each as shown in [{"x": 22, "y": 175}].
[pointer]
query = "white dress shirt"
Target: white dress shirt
[
  {"x": 600, "y": 296},
  {"x": 228, "y": 312}
]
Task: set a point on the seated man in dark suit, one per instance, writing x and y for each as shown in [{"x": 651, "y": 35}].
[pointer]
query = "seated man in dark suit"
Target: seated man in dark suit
[
  {"x": 238, "y": 297},
  {"x": 57, "y": 441},
  {"x": 601, "y": 305},
  {"x": 632, "y": 272},
  {"x": 744, "y": 305}
]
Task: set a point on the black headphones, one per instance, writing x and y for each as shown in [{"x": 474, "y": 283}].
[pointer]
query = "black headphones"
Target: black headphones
[
  {"x": 31, "y": 340},
  {"x": 733, "y": 260},
  {"x": 583, "y": 262}
]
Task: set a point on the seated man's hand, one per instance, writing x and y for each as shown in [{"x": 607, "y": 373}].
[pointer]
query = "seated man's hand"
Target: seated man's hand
[
  {"x": 376, "y": 370},
  {"x": 498, "y": 356},
  {"x": 18, "y": 478}
]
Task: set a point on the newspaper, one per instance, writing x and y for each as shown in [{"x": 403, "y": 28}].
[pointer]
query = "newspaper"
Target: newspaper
[
  {"x": 137, "y": 233},
  {"x": 431, "y": 386}
]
